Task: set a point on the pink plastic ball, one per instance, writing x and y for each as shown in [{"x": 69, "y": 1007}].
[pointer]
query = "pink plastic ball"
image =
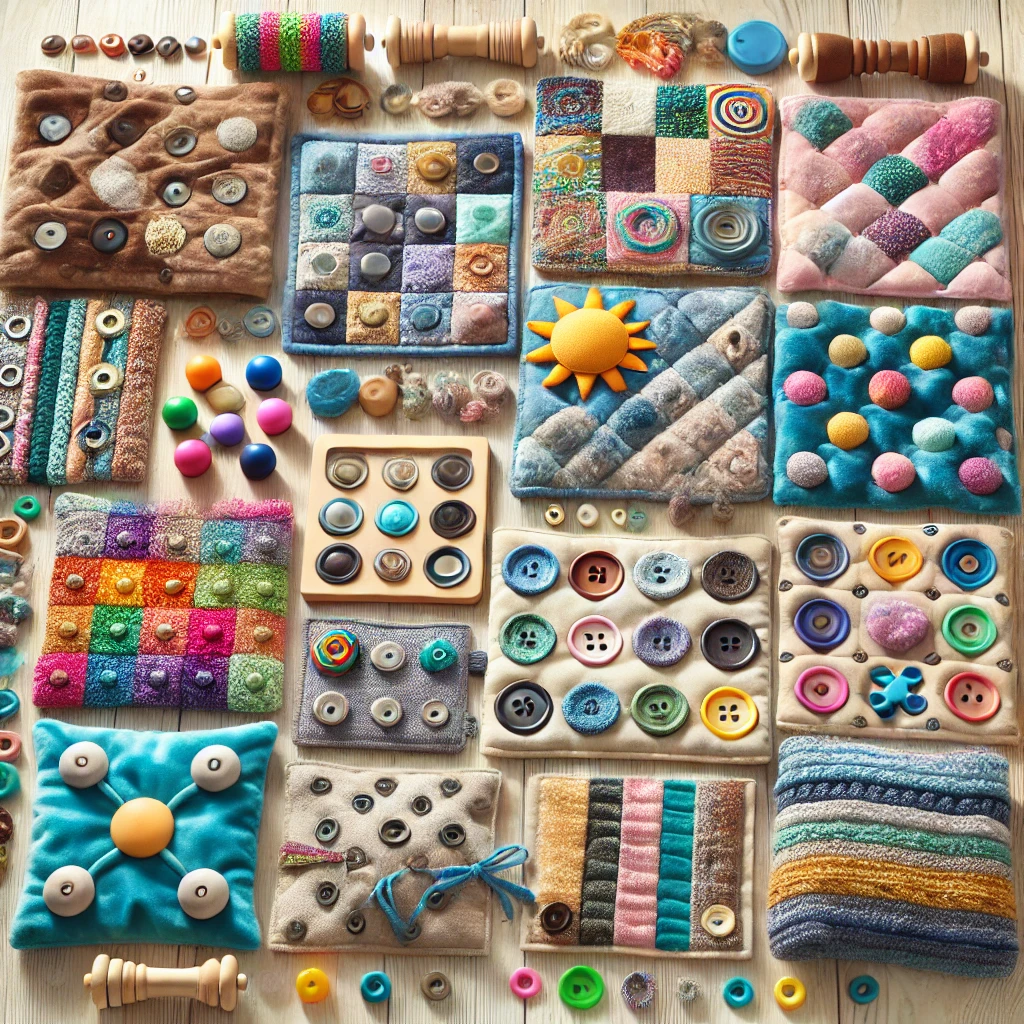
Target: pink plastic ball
[
  {"x": 193, "y": 457},
  {"x": 274, "y": 416},
  {"x": 805, "y": 388},
  {"x": 974, "y": 394},
  {"x": 893, "y": 472},
  {"x": 980, "y": 475},
  {"x": 889, "y": 389}
]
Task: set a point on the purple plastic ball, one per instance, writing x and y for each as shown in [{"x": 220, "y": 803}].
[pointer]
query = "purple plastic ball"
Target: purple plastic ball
[
  {"x": 258, "y": 461},
  {"x": 896, "y": 625},
  {"x": 227, "y": 429}
]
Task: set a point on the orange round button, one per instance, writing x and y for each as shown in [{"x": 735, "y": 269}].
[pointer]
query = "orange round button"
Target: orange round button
[
  {"x": 728, "y": 712},
  {"x": 972, "y": 697},
  {"x": 202, "y": 372},
  {"x": 596, "y": 575},
  {"x": 142, "y": 827},
  {"x": 895, "y": 559}
]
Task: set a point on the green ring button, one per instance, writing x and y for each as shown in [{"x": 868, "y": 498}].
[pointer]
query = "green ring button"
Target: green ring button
[
  {"x": 581, "y": 987},
  {"x": 527, "y": 638},
  {"x": 969, "y": 630},
  {"x": 659, "y": 709}
]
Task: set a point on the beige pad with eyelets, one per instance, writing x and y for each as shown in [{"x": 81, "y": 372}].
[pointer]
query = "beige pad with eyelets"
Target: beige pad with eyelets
[{"x": 929, "y": 590}]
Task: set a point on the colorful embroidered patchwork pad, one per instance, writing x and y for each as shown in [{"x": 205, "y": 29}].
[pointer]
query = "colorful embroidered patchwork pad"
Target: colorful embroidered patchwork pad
[
  {"x": 651, "y": 649},
  {"x": 346, "y": 829},
  {"x": 897, "y": 631},
  {"x": 641, "y": 393},
  {"x": 892, "y": 197},
  {"x": 632, "y": 179},
  {"x": 76, "y": 389},
  {"x": 900, "y": 858},
  {"x": 404, "y": 244},
  {"x": 144, "y": 837},
  {"x": 895, "y": 409},
  {"x": 166, "y": 606},
  {"x": 663, "y": 866},
  {"x": 380, "y": 685}
]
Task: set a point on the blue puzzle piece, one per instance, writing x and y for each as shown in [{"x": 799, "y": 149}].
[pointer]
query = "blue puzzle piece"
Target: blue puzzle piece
[{"x": 896, "y": 691}]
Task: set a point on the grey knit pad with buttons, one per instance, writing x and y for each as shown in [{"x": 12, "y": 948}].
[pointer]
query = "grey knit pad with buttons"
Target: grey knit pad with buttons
[{"x": 409, "y": 685}]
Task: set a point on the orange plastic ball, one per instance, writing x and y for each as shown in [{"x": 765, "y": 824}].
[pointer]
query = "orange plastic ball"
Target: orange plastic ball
[
  {"x": 202, "y": 372},
  {"x": 142, "y": 827},
  {"x": 312, "y": 985}
]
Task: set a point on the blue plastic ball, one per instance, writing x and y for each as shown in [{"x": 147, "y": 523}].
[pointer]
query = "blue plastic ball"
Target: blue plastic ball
[
  {"x": 258, "y": 461},
  {"x": 263, "y": 373}
]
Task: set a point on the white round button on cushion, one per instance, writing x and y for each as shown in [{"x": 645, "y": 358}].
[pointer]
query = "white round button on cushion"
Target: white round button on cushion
[
  {"x": 203, "y": 893},
  {"x": 215, "y": 768},
  {"x": 83, "y": 764},
  {"x": 68, "y": 891}
]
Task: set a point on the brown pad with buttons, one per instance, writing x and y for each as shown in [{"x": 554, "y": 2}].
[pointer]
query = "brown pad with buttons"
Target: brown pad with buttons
[{"x": 114, "y": 163}]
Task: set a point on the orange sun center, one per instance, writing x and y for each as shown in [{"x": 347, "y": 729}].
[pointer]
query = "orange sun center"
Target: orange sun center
[{"x": 589, "y": 341}]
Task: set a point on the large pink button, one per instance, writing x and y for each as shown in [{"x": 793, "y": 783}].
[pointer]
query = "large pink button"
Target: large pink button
[
  {"x": 822, "y": 689},
  {"x": 972, "y": 697},
  {"x": 594, "y": 640},
  {"x": 10, "y": 746}
]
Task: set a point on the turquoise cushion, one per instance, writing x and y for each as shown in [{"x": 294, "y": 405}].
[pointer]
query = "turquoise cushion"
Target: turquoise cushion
[{"x": 136, "y": 899}]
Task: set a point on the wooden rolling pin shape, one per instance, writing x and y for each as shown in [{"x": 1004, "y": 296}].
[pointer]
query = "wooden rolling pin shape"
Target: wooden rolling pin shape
[
  {"x": 514, "y": 41},
  {"x": 946, "y": 59},
  {"x": 114, "y": 982}
]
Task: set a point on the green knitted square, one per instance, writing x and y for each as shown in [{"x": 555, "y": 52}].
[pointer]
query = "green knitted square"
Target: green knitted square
[
  {"x": 895, "y": 178},
  {"x": 115, "y": 630},
  {"x": 681, "y": 112},
  {"x": 255, "y": 683},
  {"x": 260, "y": 586},
  {"x": 215, "y": 587},
  {"x": 821, "y": 122},
  {"x": 977, "y": 231}
]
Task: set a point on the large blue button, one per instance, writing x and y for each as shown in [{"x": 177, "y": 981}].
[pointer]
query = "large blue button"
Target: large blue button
[
  {"x": 822, "y": 624},
  {"x": 969, "y": 563},
  {"x": 590, "y": 708},
  {"x": 661, "y": 575},
  {"x": 757, "y": 47},
  {"x": 397, "y": 518},
  {"x": 822, "y": 557},
  {"x": 530, "y": 569},
  {"x": 660, "y": 641}
]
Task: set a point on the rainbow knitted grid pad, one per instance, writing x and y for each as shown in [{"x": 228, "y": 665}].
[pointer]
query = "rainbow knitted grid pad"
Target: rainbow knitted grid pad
[
  {"x": 166, "y": 606},
  {"x": 622, "y": 865},
  {"x": 76, "y": 389},
  {"x": 892, "y": 197},
  {"x": 633, "y": 179},
  {"x": 895, "y": 409},
  {"x": 893, "y": 857}
]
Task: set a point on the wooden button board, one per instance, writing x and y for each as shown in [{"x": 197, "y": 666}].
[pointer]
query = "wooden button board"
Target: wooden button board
[{"x": 420, "y": 543}]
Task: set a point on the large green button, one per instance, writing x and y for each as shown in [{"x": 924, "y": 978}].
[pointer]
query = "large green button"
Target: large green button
[
  {"x": 581, "y": 987},
  {"x": 969, "y": 630},
  {"x": 659, "y": 709},
  {"x": 526, "y": 638}
]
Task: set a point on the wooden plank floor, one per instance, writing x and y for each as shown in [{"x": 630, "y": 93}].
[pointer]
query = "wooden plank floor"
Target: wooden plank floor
[{"x": 44, "y": 987}]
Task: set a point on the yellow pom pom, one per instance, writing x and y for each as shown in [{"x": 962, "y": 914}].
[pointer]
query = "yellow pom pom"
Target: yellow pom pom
[
  {"x": 847, "y": 351},
  {"x": 846, "y": 430},
  {"x": 930, "y": 352}
]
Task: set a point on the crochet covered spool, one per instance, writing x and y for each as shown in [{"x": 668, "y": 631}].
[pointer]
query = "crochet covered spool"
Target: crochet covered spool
[
  {"x": 290, "y": 41},
  {"x": 514, "y": 41},
  {"x": 115, "y": 982},
  {"x": 946, "y": 59}
]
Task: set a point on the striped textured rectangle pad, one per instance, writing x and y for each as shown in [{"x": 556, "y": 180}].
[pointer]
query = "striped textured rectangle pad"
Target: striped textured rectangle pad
[
  {"x": 622, "y": 865},
  {"x": 896, "y": 857},
  {"x": 166, "y": 605},
  {"x": 76, "y": 389}
]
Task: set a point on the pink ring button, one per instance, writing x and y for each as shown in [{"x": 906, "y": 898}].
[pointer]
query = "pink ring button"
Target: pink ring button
[
  {"x": 524, "y": 982},
  {"x": 10, "y": 746},
  {"x": 594, "y": 640},
  {"x": 822, "y": 689},
  {"x": 971, "y": 697}
]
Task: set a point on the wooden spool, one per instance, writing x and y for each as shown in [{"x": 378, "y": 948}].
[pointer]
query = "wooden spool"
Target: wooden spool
[
  {"x": 514, "y": 41},
  {"x": 358, "y": 41},
  {"x": 115, "y": 982},
  {"x": 945, "y": 59}
]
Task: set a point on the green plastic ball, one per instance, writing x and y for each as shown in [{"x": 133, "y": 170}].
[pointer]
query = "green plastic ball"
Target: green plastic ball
[{"x": 179, "y": 413}]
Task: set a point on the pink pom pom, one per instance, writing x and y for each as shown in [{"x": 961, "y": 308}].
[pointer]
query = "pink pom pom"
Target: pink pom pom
[
  {"x": 980, "y": 475},
  {"x": 893, "y": 472},
  {"x": 805, "y": 388},
  {"x": 889, "y": 389},
  {"x": 974, "y": 394}
]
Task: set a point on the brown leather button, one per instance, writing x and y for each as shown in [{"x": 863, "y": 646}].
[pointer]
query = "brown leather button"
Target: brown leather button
[
  {"x": 555, "y": 917},
  {"x": 115, "y": 92},
  {"x": 394, "y": 832},
  {"x": 596, "y": 575},
  {"x": 729, "y": 576},
  {"x": 124, "y": 131}
]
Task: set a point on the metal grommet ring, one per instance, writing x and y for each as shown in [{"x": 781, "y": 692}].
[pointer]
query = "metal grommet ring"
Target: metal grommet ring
[
  {"x": 18, "y": 326},
  {"x": 394, "y": 832},
  {"x": 436, "y": 986},
  {"x": 109, "y": 323},
  {"x": 327, "y": 894},
  {"x": 104, "y": 378},
  {"x": 452, "y": 835},
  {"x": 11, "y": 375}
]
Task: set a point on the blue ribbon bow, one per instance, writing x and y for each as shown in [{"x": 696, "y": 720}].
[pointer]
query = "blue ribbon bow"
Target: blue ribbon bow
[{"x": 445, "y": 879}]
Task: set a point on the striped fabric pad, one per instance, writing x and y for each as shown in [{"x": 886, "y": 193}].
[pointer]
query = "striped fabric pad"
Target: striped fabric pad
[
  {"x": 659, "y": 865},
  {"x": 895, "y": 857}
]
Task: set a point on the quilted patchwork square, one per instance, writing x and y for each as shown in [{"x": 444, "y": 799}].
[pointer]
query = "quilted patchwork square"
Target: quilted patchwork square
[
  {"x": 627, "y": 110},
  {"x": 121, "y": 582},
  {"x": 373, "y": 318},
  {"x": 322, "y": 266},
  {"x": 266, "y": 541},
  {"x": 479, "y": 318},
  {"x": 115, "y": 630},
  {"x": 328, "y": 168},
  {"x": 176, "y": 537},
  {"x": 60, "y": 680},
  {"x": 741, "y": 167},
  {"x": 157, "y": 681},
  {"x": 428, "y": 268},
  {"x": 481, "y": 268},
  {"x": 204, "y": 683},
  {"x": 68, "y": 629},
  {"x": 128, "y": 536},
  {"x": 221, "y": 541},
  {"x": 109, "y": 681},
  {"x": 259, "y": 632},
  {"x": 567, "y": 163},
  {"x": 169, "y": 584},
  {"x": 75, "y": 581},
  {"x": 262, "y": 586},
  {"x": 432, "y": 167},
  {"x": 644, "y": 230},
  {"x": 484, "y": 219},
  {"x": 335, "y": 330},
  {"x": 730, "y": 232},
  {"x": 438, "y": 232},
  {"x": 374, "y": 267},
  {"x": 426, "y": 319},
  {"x": 255, "y": 683},
  {"x": 476, "y": 172},
  {"x": 325, "y": 218},
  {"x": 628, "y": 163},
  {"x": 569, "y": 231},
  {"x": 82, "y": 533},
  {"x": 683, "y": 166},
  {"x": 387, "y": 229},
  {"x": 211, "y": 632},
  {"x": 569, "y": 106},
  {"x": 681, "y": 111},
  {"x": 740, "y": 112},
  {"x": 381, "y": 168},
  {"x": 164, "y": 631}
]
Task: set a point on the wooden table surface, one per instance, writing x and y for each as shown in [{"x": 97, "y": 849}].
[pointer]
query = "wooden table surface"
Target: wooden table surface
[{"x": 43, "y": 987}]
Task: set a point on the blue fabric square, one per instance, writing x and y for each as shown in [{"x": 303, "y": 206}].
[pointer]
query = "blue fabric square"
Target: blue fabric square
[
  {"x": 361, "y": 233},
  {"x": 428, "y": 268},
  {"x": 304, "y": 334},
  {"x": 569, "y": 106},
  {"x": 426, "y": 319},
  {"x": 109, "y": 680},
  {"x": 390, "y": 282},
  {"x": 328, "y": 167},
  {"x": 733, "y": 233},
  {"x": 445, "y": 204},
  {"x": 221, "y": 541},
  {"x": 136, "y": 899},
  {"x": 470, "y": 179}
]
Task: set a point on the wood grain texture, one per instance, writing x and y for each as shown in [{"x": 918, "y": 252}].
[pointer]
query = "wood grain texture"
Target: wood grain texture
[{"x": 43, "y": 987}]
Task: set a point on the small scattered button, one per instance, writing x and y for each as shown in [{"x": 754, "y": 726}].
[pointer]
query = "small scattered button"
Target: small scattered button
[
  {"x": 822, "y": 689},
  {"x": 729, "y": 576},
  {"x": 452, "y": 472},
  {"x": 527, "y": 638},
  {"x": 341, "y": 516},
  {"x": 969, "y": 630},
  {"x": 176, "y": 193},
  {"x": 594, "y": 640},
  {"x": 392, "y": 565},
  {"x": 115, "y": 92},
  {"x": 596, "y": 575},
  {"x": 661, "y": 575},
  {"x": 729, "y": 644},
  {"x": 728, "y": 712},
  {"x": 822, "y": 557},
  {"x": 260, "y": 321},
  {"x": 555, "y": 917},
  {"x": 181, "y": 141},
  {"x": 386, "y": 711},
  {"x": 447, "y": 567},
  {"x": 530, "y": 569},
  {"x": 968, "y": 563},
  {"x": 587, "y": 516},
  {"x": 718, "y": 920},
  {"x": 821, "y": 624},
  {"x": 659, "y": 709},
  {"x": 435, "y": 986},
  {"x": 554, "y": 515},
  {"x": 388, "y": 656},
  {"x": 972, "y": 697},
  {"x": 229, "y": 189},
  {"x": 330, "y": 708},
  {"x": 581, "y": 987},
  {"x": 895, "y": 559},
  {"x": 590, "y": 708},
  {"x": 523, "y": 707},
  {"x": 660, "y": 641}
]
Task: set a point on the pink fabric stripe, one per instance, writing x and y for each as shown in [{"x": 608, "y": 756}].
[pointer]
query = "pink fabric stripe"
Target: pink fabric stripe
[
  {"x": 309, "y": 42},
  {"x": 29, "y": 388},
  {"x": 636, "y": 894},
  {"x": 270, "y": 32}
]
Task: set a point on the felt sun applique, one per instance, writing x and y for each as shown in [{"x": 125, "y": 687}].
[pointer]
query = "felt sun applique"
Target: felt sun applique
[{"x": 590, "y": 342}]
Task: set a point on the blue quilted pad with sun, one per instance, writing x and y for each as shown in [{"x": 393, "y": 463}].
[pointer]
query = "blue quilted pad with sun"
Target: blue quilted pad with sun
[
  {"x": 895, "y": 408},
  {"x": 144, "y": 837},
  {"x": 404, "y": 245},
  {"x": 644, "y": 393}
]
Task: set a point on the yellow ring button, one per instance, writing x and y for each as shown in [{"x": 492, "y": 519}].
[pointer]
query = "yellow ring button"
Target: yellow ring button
[
  {"x": 895, "y": 559},
  {"x": 790, "y": 993},
  {"x": 572, "y": 165},
  {"x": 718, "y": 920},
  {"x": 728, "y": 712}
]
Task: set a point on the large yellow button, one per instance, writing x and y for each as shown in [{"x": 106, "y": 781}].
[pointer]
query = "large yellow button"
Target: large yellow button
[
  {"x": 895, "y": 559},
  {"x": 728, "y": 712},
  {"x": 312, "y": 985},
  {"x": 142, "y": 827}
]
